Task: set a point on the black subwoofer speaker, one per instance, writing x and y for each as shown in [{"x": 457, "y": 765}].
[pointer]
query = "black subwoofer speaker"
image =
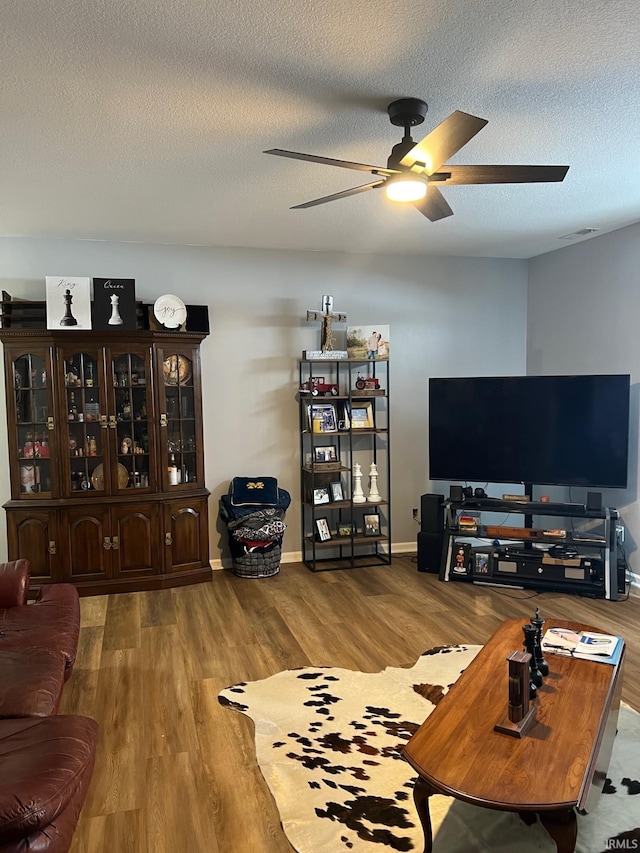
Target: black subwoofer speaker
[
  {"x": 430, "y": 551},
  {"x": 431, "y": 513}
]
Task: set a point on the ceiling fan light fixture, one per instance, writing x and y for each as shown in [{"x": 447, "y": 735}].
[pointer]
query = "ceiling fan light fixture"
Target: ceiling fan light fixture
[{"x": 405, "y": 188}]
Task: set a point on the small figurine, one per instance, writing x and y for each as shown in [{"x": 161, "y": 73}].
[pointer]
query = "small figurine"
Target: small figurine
[
  {"x": 358, "y": 494},
  {"x": 374, "y": 494},
  {"x": 529, "y": 644},
  {"x": 537, "y": 623}
]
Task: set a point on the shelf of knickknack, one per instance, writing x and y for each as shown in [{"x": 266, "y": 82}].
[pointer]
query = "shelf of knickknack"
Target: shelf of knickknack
[
  {"x": 351, "y": 443},
  {"x": 346, "y": 505},
  {"x": 366, "y": 431},
  {"x": 339, "y": 541},
  {"x": 324, "y": 472}
]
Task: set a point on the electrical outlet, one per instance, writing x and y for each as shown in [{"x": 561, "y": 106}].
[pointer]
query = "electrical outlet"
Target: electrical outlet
[{"x": 416, "y": 517}]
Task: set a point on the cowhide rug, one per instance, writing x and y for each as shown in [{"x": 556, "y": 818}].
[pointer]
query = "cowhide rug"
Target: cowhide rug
[{"x": 328, "y": 743}]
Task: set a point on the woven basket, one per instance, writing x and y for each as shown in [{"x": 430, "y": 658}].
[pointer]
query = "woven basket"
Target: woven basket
[{"x": 257, "y": 565}]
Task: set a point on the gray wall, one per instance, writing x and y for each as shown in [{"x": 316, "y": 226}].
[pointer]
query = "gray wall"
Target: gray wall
[
  {"x": 448, "y": 316},
  {"x": 583, "y": 308}
]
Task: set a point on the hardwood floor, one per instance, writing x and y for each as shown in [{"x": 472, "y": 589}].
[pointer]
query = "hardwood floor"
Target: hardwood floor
[{"x": 176, "y": 772}]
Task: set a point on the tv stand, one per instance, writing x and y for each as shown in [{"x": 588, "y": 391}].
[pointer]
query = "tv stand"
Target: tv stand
[{"x": 523, "y": 555}]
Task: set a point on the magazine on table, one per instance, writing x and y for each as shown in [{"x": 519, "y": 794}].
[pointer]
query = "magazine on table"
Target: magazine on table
[{"x": 587, "y": 645}]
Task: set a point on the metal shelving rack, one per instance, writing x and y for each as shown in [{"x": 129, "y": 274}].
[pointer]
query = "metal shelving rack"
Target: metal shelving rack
[{"x": 353, "y": 445}]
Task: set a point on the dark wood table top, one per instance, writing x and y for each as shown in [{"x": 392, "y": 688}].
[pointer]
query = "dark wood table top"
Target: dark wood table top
[{"x": 457, "y": 751}]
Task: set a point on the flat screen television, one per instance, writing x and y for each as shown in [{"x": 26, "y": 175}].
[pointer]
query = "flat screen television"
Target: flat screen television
[{"x": 544, "y": 430}]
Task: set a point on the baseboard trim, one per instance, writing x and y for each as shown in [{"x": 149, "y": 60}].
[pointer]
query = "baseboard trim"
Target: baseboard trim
[{"x": 296, "y": 556}]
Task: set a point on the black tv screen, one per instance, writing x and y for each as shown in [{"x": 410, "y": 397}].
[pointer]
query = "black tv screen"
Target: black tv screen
[{"x": 545, "y": 430}]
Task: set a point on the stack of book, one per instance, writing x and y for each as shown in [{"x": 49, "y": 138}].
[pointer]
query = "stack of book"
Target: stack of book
[{"x": 603, "y": 648}]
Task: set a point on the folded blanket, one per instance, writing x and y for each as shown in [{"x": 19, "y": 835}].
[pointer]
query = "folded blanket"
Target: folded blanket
[{"x": 229, "y": 512}]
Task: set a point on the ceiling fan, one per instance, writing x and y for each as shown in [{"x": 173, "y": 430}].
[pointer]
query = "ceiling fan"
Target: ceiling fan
[{"x": 414, "y": 170}]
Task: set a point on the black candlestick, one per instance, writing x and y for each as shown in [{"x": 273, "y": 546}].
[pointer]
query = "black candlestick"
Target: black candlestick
[{"x": 537, "y": 623}]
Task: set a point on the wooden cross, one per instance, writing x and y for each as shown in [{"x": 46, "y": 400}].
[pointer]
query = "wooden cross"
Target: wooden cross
[{"x": 327, "y": 318}]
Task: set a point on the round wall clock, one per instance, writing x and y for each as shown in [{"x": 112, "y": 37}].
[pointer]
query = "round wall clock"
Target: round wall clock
[{"x": 170, "y": 311}]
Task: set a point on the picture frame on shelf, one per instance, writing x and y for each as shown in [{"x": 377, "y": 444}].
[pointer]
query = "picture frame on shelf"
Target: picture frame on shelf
[
  {"x": 323, "y": 534},
  {"x": 322, "y": 418},
  {"x": 368, "y": 342},
  {"x": 325, "y": 453},
  {"x": 371, "y": 524},
  {"x": 346, "y": 530},
  {"x": 361, "y": 415},
  {"x": 460, "y": 559},
  {"x": 481, "y": 562},
  {"x": 106, "y": 314},
  {"x": 321, "y": 496},
  {"x": 336, "y": 491},
  {"x": 68, "y": 301}
]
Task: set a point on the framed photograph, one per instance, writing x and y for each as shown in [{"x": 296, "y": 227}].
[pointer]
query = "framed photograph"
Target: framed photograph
[
  {"x": 336, "y": 492},
  {"x": 361, "y": 416},
  {"x": 368, "y": 342},
  {"x": 321, "y": 496},
  {"x": 323, "y": 534},
  {"x": 68, "y": 302},
  {"x": 481, "y": 562},
  {"x": 372, "y": 524},
  {"x": 460, "y": 559},
  {"x": 322, "y": 418},
  {"x": 326, "y": 453},
  {"x": 345, "y": 530}
]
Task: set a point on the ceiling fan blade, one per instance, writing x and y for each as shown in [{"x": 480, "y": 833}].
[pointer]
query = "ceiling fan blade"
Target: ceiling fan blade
[
  {"x": 504, "y": 174},
  {"x": 434, "y": 205},
  {"x": 443, "y": 142},
  {"x": 328, "y": 161},
  {"x": 336, "y": 196}
]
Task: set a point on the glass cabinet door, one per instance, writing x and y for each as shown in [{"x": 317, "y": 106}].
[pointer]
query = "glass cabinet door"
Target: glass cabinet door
[
  {"x": 130, "y": 421},
  {"x": 85, "y": 446},
  {"x": 34, "y": 424},
  {"x": 180, "y": 406}
]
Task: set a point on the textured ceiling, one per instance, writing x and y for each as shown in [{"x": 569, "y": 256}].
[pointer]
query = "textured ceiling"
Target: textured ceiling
[{"x": 145, "y": 120}]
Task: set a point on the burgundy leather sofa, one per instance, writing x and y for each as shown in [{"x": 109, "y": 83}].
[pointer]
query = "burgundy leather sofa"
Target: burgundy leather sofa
[{"x": 46, "y": 761}]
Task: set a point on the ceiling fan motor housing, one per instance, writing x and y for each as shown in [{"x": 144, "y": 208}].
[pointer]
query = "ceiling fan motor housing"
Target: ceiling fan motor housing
[{"x": 407, "y": 112}]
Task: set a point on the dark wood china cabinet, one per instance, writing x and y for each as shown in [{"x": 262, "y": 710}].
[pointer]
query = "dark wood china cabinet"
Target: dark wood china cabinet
[{"x": 106, "y": 458}]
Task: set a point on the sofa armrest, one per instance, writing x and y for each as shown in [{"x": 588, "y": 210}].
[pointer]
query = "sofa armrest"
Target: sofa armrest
[
  {"x": 14, "y": 583},
  {"x": 62, "y": 594}
]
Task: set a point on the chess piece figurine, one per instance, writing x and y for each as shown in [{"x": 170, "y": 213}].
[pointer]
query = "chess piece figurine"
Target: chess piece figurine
[
  {"x": 68, "y": 319},
  {"x": 529, "y": 644},
  {"x": 358, "y": 494},
  {"x": 374, "y": 494},
  {"x": 115, "y": 319},
  {"x": 537, "y": 623}
]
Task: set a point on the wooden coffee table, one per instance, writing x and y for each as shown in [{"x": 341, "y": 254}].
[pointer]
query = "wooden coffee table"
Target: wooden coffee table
[{"x": 558, "y": 767}]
